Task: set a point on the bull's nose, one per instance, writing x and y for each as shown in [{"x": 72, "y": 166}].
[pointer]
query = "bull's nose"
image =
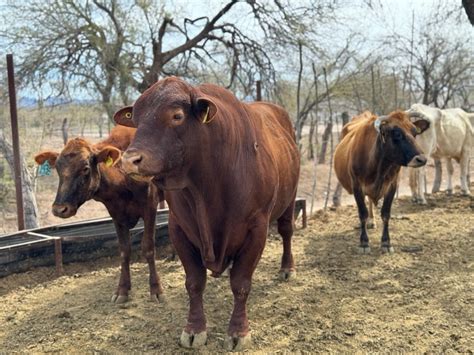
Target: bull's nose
[{"x": 417, "y": 161}]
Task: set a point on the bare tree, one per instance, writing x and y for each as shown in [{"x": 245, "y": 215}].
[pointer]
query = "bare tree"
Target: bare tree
[
  {"x": 29, "y": 200},
  {"x": 112, "y": 47},
  {"x": 440, "y": 58},
  {"x": 66, "y": 42}
]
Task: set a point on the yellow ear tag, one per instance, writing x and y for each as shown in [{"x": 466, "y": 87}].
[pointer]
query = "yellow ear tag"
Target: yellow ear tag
[
  {"x": 204, "y": 120},
  {"x": 108, "y": 162},
  {"x": 128, "y": 115}
]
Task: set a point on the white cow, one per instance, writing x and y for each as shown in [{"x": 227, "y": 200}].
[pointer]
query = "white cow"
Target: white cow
[{"x": 450, "y": 136}]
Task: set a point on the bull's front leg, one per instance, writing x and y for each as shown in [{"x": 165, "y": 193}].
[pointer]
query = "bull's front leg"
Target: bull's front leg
[
  {"x": 241, "y": 273},
  {"x": 386, "y": 208},
  {"x": 123, "y": 234},
  {"x": 364, "y": 247},
  {"x": 148, "y": 244},
  {"x": 194, "y": 333}
]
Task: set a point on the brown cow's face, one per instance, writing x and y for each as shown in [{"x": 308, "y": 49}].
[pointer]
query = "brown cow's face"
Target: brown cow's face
[
  {"x": 170, "y": 118},
  {"x": 397, "y": 135},
  {"x": 79, "y": 177}
]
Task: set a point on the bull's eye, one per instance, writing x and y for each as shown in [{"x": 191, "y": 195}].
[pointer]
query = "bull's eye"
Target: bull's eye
[
  {"x": 178, "y": 116},
  {"x": 86, "y": 170}
]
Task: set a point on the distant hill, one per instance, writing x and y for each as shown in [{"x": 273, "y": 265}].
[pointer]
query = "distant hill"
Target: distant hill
[{"x": 30, "y": 102}]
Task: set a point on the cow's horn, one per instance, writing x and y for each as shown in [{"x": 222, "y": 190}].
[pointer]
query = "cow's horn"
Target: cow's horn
[
  {"x": 415, "y": 114},
  {"x": 378, "y": 122}
]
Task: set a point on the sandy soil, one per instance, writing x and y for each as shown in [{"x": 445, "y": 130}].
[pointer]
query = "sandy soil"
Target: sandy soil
[{"x": 419, "y": 299}]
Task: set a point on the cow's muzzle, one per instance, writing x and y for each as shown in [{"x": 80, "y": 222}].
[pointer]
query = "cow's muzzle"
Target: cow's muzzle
[
  {"x": 64, "y": 210},
  {"x": 417, "y": 161},
  {"x": 131, "y": 161}
]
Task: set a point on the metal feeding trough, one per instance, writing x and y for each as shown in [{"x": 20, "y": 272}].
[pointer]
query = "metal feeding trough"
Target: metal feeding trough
[
  {"x": 79, "y": 241},
  {"x": 69, "y": 242}
]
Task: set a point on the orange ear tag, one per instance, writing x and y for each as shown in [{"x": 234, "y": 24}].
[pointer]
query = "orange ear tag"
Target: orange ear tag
[{"x": 108, "y": 162}]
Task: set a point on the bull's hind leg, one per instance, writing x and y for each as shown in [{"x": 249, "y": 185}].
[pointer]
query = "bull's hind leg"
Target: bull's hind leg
[
  {"x": 123, "y": 234},
  {"x": 285, "y": 228},
  {"x": 363, "y": 215},
  {"x": 386, "y": 208},
  {"x": 241, "y": 273}
]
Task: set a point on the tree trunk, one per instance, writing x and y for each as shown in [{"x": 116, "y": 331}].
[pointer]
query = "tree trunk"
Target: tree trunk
[
  {"x": 312, "y": 126},
  {"x": 336, "y": 198},
  {"x": 299, "y": 124},
  {"x": 324, "y": 145},
  {"x": 29, "y": 200},
  {"x": 331, "y": 138},
  {"x": 64, "y": 129}
]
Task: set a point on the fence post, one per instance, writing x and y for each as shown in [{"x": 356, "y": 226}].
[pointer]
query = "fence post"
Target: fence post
[{"x": 15, "y": 143}]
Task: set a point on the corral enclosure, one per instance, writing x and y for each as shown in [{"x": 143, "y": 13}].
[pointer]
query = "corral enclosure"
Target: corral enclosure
[{"x": 418, "y": 299}]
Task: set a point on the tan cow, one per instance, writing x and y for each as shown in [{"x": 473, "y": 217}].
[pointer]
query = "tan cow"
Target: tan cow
[{"x": 367, "y": 162}]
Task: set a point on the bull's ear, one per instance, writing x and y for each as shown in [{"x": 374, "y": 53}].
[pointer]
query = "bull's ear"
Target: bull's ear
[
  {"x": 48, "y": 156},
  {"x": 108, "y": 155},
  {"x": 421, "y": 126},
  {"x": 206, "y": 109},
  {"x": 123, "y": 116}
]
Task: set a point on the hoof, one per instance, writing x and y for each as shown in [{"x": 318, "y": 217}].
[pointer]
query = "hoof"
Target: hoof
[
  {"x": 119, "y": 299},
  {"x": 449, "y": 192},
  {"x": 158, "y": 298},
  {"x": 286, "y": 274},
  {"x": 422, "y": 202},
  {"x": 187, "y": 340},
  {"x": 364, "y": 250},
  {"x": 370, "y": 225},
  {"x": 387, "y": 249},
  {"x": 465, "y": 193},
  {"x": 236, "y": 343}
]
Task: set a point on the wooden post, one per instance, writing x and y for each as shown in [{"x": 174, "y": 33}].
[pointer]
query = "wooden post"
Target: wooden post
[
  {"x": 58, "y": 256},
  {"x": 259, "y": 90},
  {"x": 15, "y": 143}
]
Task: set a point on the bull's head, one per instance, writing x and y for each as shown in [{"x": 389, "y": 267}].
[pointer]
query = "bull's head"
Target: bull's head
[
  {"x": 171, "y": 119},
  {"x": 396, "y": 135},
  {"x": 79, "y": 175}
]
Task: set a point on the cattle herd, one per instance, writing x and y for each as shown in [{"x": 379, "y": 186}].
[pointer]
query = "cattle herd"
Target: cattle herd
[{"x": 226, "y": 170}]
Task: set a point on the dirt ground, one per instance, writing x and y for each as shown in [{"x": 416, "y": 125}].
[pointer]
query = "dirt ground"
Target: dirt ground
[{"x": 419, "y": 299}]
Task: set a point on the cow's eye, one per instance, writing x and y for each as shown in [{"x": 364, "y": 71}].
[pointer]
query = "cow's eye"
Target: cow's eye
[
  {"x": 86, "y": 170},
  {"x": 178, "y": 117}
]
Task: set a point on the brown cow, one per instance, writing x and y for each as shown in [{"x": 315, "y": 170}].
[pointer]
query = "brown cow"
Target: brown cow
[
  {"x": 228, "y": 168},
  {"x": 86, "y": 172},
  {"x": 368, "y": 158}
]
